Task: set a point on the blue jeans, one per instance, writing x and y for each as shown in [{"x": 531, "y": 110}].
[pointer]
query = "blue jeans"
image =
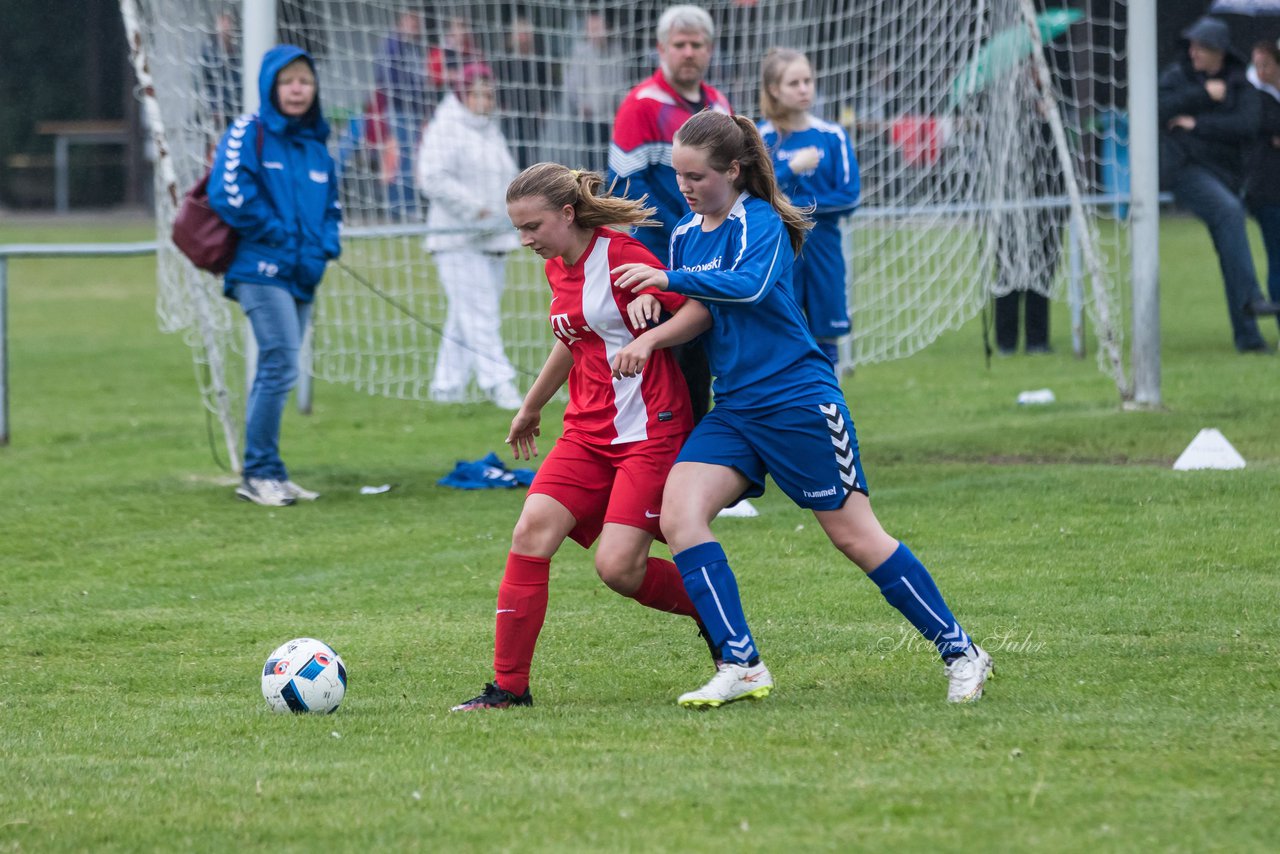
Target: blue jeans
[
  {"x": 1268, "y": 217},
  {"x": 1222, "y": 211},
  {"x": 279, "y": 321}
]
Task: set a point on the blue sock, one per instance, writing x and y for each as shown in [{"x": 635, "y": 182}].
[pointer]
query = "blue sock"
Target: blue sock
[
  {"x": 714, "y": 591},
  {"x": 907, "y": 585}
]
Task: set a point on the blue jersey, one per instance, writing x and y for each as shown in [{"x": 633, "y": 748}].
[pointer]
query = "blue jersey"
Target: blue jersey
[
  {"x": 759, "y": 346},
  {"x": 831, "y": 190}
]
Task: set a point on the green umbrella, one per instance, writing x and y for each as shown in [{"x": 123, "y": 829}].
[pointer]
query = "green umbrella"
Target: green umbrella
[{"x": 1006, "y": 50}]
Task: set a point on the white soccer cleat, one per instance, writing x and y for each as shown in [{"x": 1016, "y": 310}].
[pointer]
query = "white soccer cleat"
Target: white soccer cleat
[
  {"x": 299, "y": 492},
  {"x": 264, "y": 491},
  {"x": 731, "y": 682},
  {"x": 968, "y": 674}
]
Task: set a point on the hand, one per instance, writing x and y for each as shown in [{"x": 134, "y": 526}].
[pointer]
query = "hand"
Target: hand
[
  {"x": 1217, "y": 89},
  {"x": 1275, "y": 142},
  {"x": 631, "y": 359},
  {"x": 525, "y": 428},
  {"x": 805, "y": 160},
  {"x": 643, "y": 310},
  {"x": 637, "y": 277},
  {"x": 1183, "y": 122}
]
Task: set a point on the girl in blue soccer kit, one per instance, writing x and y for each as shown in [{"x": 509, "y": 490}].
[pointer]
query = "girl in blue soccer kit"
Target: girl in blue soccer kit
[
  {"x": 815, "y": 166},
  {"x": 778, "y": 411}
]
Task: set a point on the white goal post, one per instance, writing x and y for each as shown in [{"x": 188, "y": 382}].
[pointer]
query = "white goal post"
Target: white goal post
[{"x": 992, "y": 137}]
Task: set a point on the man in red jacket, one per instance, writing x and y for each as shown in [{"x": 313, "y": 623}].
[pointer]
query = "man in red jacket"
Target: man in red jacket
[{"x": 640, "y": 153}]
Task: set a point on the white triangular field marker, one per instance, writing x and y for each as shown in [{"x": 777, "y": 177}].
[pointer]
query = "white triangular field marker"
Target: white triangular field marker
[{"x": 1209, "y": 450}]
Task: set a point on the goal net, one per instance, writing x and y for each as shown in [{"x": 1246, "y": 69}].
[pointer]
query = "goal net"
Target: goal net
[{"x": 990, "y": 135}]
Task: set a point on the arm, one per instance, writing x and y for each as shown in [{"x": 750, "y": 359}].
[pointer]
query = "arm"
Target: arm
[
  {"x": 689, "y": 321},
  {"x": 751, "y": 277},
  {"x": 332, "y": 217},
  {"x": 1237, "y": 123},
  {"x": 1180, "y": 95},
  {"x": 763, "y": 256},
  {"x": 438, "y": 177},
  {"x": 235, "y": 193},
  {"x": 527, "y": 423},
  {"x": 846, "y": 188}
]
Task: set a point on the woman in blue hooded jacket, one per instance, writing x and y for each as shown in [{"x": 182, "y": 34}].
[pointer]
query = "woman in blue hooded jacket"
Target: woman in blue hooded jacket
[{"x": 274, "y": 183}]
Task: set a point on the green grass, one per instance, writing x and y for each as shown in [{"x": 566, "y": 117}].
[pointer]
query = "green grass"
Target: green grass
[{"x": 1130, "y": 609}]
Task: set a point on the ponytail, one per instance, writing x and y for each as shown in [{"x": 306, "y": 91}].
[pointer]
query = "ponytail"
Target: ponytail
[
  {"x": 729, "y": 138},
  {"x": 580, "y": 189}
]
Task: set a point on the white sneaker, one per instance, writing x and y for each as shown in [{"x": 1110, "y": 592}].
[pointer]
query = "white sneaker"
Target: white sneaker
[
  {"x": 264, "y": 491},
  {"x": 968, "y": 675},
  {"x": 744, "y": 509},
  {"x": 505, "y": 396},
  {"x": 299, "y": 492},
  {"x": 731, "y": 682}
]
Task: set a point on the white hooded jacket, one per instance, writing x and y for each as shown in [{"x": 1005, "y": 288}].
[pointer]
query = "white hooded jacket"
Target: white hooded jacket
[{"x": 463, "y": 168}]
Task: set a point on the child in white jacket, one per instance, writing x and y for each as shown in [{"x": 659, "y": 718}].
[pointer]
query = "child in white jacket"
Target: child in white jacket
[{"x": 463, "y": 168}]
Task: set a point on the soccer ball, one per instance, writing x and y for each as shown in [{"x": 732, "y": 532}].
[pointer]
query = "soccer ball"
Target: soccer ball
[{"x": 304, "y": 675}]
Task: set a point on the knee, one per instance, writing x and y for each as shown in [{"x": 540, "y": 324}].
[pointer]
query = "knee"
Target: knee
[
  {"x": 867, "y": 549},
  {"x": 277, "y": 369},
  {"x": 622, "y": 573},
  {"x": 531, "y": 538},
  {"x": 675, "y": 529}
]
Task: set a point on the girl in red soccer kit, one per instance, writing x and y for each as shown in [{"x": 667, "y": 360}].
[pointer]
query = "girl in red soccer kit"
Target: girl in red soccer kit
[{"x": 623, "y": 427}]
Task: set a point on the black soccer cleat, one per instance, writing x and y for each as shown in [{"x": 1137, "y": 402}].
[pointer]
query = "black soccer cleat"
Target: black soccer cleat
[{"x": 494, "y": 698}]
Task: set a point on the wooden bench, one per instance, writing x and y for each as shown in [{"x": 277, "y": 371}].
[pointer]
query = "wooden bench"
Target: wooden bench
[{"x": 65, "y": 134}]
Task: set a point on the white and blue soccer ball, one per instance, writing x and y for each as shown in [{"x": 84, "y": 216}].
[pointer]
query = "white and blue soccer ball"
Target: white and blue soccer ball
[{"x": 304, "y": 675}]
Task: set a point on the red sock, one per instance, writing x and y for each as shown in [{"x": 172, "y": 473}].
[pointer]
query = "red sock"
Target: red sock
[
  {"x": 522, "y": 606},
  {"x": 663, "y": 589}
]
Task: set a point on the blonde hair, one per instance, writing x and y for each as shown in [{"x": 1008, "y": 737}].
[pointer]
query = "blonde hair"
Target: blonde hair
[
  {"x": 580, "y": 189},
  {"x": 729, "y": 138},
  {"x": 775, "y": 62}
]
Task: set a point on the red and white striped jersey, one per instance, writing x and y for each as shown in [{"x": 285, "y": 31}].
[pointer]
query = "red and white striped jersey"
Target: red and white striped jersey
[{"x": 589, "y": 315}]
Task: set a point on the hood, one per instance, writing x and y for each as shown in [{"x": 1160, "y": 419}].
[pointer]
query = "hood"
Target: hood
[{"x": 273, "y": 61}]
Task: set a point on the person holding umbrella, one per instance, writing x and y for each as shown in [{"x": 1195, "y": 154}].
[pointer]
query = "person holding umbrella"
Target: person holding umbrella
[{"x": 1208, "y": 113}]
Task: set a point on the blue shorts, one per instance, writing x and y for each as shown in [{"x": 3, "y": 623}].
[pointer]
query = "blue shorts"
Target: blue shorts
[{"x": 810, "y": 450}]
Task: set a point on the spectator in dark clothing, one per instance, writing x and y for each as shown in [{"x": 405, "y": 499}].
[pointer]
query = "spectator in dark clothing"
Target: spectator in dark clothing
[
  {"x": 526, "y": 90},
  {"x": 1262, "y": 159},
  {"x": 1208, "y": 112},
  {"x": 1029, "y": 240},
  {"x": 400, "y": 106}
]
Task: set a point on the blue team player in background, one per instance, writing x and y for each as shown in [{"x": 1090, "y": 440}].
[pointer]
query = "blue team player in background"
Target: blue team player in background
[
  {"x": 273, "y": 183},
  {"x": 778, "y": 411},
  {"x": 816, "y": 168}
]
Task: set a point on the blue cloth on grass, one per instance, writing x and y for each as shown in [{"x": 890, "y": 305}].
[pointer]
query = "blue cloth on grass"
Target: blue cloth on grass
[{"x": 487, "y": 473}]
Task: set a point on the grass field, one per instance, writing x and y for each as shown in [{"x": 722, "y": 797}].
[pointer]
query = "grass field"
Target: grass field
[{"x": 1131, "y": 611}]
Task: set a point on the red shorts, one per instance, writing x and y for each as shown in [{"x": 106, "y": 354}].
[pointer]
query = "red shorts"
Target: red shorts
[{"x": 621, "y": 484}]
